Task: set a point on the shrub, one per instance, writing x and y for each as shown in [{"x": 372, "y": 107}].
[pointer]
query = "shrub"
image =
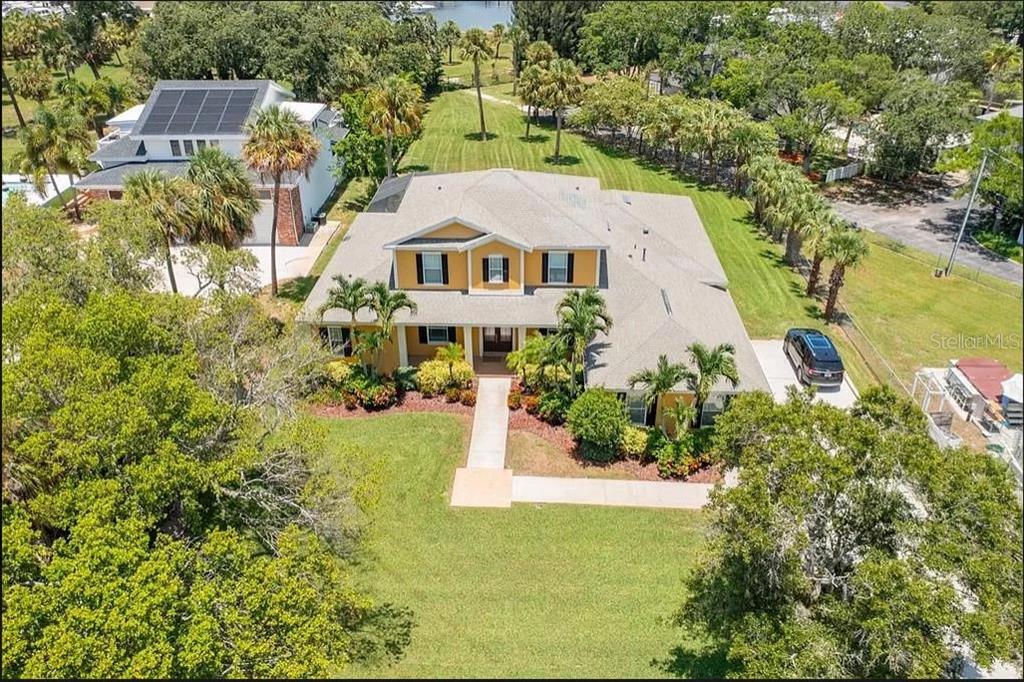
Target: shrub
[
  {"x": 468, "y": 397},
  {"x": 686, "y": 455},
  {"x": 338, "y": 372},
  {"x": 433, "y": 376},
  {"x": 377, "y": 395},
  {"x": 633, "y": 443},
  {"x": 530, "y": 403},
  {"x": 350, "y": 400},
  {"x": 553, "y": 375},
  {"x": 405, "y": 379},
  {"x": 597, "y": 419},
  {"x": 515, "y": 399},
  {"x": 452, "y": 394},
  {"x": 327, "y": 395},
  {"x": 553, "y": 405}
]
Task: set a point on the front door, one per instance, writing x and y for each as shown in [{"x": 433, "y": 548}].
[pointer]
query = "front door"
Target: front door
[{"x": 497, "y": 339}]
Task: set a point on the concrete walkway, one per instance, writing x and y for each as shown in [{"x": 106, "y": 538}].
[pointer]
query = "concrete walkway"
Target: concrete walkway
[
  {"x": 490, "y": 424},
  {"x": 610, "y": 492}
]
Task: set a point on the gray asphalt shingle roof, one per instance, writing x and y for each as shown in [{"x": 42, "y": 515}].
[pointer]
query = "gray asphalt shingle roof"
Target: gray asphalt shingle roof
[{"x": 662, "y": 281}]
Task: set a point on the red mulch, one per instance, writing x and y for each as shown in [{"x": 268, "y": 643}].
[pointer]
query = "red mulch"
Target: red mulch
[
  {"x": 410, "y": 402},
  {"x": 521, "y": 420}
]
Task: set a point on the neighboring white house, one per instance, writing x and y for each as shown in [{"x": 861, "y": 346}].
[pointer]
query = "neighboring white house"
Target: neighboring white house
[{"x": 183, "y": 117}]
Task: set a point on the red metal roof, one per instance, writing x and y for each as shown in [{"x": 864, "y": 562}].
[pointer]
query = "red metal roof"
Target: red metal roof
[{"x": 986, "y": 374}]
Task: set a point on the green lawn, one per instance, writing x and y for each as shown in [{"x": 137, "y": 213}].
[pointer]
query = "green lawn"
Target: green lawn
[
  {"x": 492, "y": 72},
  {"x": 546, "y": 591},
  {"x": 768, "y": 295},
  {"x": 28, "y": 107}
]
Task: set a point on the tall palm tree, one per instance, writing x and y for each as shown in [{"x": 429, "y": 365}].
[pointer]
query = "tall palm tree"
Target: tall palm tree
[
  {"x": 847, "y": 249},
  {"x": 562, "y": 89},
  {"x": 998, "y": 57},
  {"x": 517, "y": 37},
  {"x": 449, "y": 35},
  {"x": 474, "y": 45},
  {"x": 224, "y": 201},
  {"x": 541, "y": 53},
  {"x": 582, "y": 314},
  {"x": 278, "y": 144},
  {"x": 56, "y": 141},
  {"x": 168, "y": 200},
  {"x": 531, "y": 82},
  {"x": 660, "y": 380},
  {"x": 713, "y": 123},
  {"x": 804, "y": 212},
  {"x": 748, "y": 140},
  {"x": 386, "y": 303},
  {"x": 711, "y": 365},
  {"x": 498, "y": 35},
  {"x": 395, "y": 108},
  {"x": 350, "y": 295},
  {"x": 818, "y": 242}
]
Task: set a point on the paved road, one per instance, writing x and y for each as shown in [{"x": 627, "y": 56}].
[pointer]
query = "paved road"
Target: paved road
[{"x": 930, "y": 227}]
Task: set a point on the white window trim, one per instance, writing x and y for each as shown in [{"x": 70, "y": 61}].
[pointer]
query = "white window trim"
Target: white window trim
[
  {"x": 186, "y": 144},
  {"x": 172, "y": 144},
  {"x": 635, "y": 401},
  {"x": 431, "y": 342},
  {"x": 490, "y": 269},
  {"x": 439, "y": 269},
  {"x": 340, "y": 340},
  {"x": 564, "y": 268}
]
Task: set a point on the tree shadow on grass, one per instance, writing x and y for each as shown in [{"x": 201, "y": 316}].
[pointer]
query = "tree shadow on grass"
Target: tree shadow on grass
[
  {"x": 534, "y": 139},
  {"x": 564, "y": 160},
  {"x": 689, "y": 663},
  {"x": 415, "y": 168},
  {"x": 297, "y": 289},
  {"x": 477, "y": 137}
]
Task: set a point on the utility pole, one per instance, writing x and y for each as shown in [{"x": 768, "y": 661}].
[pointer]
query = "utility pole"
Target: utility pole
[{"x": 967, "y": 215}]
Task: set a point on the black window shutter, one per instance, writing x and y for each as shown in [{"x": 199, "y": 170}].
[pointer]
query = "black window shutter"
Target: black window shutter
[
  {"x": 346, "y": 338},
  {"x": 423, "y": 334},
  {"x": 451, "y": 334},
  {"x": 487, "y": 270},
  {"x": 444, "y": 268},
  {"x": 419, "y": 268},
  {"x": 544, "y": 268},
  {"x": 569, "y": 277},
  {"x": 504, "y": 269},
  {"x": 651, "y": 415}
]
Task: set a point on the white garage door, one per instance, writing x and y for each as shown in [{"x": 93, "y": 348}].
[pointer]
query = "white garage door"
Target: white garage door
[{"x": 261, "y": 224}]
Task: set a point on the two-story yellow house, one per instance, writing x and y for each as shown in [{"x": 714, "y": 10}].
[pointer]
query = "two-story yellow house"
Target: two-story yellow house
[{"x": 488, "y": 255}]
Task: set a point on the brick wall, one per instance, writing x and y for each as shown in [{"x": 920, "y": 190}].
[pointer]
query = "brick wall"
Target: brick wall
[{"x": 289, "y": 217}]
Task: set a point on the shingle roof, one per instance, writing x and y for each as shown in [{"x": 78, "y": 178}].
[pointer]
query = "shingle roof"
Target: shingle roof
[
  {"x": 661, "y": 279},
  {"x": 122, "y": 149},
  {"x": 114, "y": 177}
]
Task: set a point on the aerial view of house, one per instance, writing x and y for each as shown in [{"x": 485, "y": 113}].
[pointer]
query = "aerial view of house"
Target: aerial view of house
[{"x": 180, "y": 118}]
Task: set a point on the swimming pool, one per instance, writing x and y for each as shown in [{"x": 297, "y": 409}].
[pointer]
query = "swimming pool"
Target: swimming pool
[{"x": 17, "y": 183}]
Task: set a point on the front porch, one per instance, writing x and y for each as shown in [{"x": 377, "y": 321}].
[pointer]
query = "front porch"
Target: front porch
[{"x": 486, "y": 348}]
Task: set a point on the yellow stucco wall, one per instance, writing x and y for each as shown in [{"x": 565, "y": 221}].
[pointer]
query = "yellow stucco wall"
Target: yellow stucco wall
[
  {"x": 666, "y": 402},
  {"x": 453, "y": 231},
  {"x": 458, "y": 277},
  {"x": 388, "y": 355},
  {"x": 584, "y": 268},
  {"x": 414, "y": 347},
  {"x": 495, "y": 249}
]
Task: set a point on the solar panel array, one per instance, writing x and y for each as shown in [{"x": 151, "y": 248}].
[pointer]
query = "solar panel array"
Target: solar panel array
[{"x": 199, "y": 112}]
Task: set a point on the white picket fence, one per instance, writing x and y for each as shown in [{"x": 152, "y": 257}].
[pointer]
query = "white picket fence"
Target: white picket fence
[{"x": 844, "y": 172}]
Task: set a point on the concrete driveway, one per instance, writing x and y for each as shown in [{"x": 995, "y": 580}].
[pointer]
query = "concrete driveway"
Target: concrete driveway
[{"x": 781, "y": 375}]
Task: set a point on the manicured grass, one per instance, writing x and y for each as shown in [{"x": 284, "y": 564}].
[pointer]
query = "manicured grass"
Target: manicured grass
[
  {"x": 544, "y": 591},
  {"x": 492, "y": 71},
  {"x": 920, "y": 320},
  {"x": 769, "y": 295}
]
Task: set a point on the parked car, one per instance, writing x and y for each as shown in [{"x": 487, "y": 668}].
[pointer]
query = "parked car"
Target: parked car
[{"x": 814, "y": 357}]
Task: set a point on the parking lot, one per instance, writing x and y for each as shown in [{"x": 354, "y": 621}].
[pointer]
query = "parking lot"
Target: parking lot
[{"x": 781, "y": 375}]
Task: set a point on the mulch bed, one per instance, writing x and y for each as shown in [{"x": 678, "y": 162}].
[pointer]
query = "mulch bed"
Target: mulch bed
[
  {"x": 410, "y": 402},
  {"x": 521, "y": 420}
]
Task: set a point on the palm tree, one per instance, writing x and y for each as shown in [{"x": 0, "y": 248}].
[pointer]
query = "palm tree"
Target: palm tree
[
  {"x": 224, "y": 201},
  {"x": 517, "y": 37},
  {"x": 818, "y": 242},
  {"x": 386, "y": 303},
  {"x": 711, "y": 365},
  {"x": 278, "y": 144},
  {"x": 474, "y": 45},
  {"x": 449, "y": 35},
  {"x": 57, "y": 141},
  {"x": 395, "y": 107},
  {"x": 683, "y": 414},
  {"x": 748, "y": 140},
  {"x": 498, "y": 34},
  {"x": 532, "y": 80},
  {"x": 369, "y": 343},
  {"x": 846, "y": 249},
  {"x": 350, "y": 295},
  {"x": 712, "y": 125},
  {"x": 582, "y": 313},
  {"x": 541, "y": 53},
  {"x": 450, "y": 354},
  {"x": 562, "y": 89},
  {"x": 168, "y": 200},
  {"x": 660, "y": 380},
  {"x": 998, "y": 57},
  {"x": 804, "y": 212}
]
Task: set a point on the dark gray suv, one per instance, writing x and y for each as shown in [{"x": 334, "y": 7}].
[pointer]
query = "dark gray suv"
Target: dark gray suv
[{"x": 814, "y": 357}]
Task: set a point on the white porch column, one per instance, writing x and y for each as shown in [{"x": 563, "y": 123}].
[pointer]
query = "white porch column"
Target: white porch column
[
  {"x": 403, "y": 347},
  {"x": 467, "y": 338},
  {"x": 522, "y": 337}
]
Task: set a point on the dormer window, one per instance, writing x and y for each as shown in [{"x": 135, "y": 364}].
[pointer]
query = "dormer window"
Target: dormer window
[
  {"x": 557, "y": 267},
  {"x": 431, "y": 268},
  {"x": 497, "y": 269}
]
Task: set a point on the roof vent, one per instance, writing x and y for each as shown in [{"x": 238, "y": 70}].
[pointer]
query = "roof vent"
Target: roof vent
[
  {"x": 439, "y": 188},
  {"x": 647, "y": 230},
  {"x": 668, "y": 304}
]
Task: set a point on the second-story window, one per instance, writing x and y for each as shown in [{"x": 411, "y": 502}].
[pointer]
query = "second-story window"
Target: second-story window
[
  {"x": 175, "y": 148},
  {"x": 201, "y": 144},
  {"x": 433, "y": 269},
  {"x": 558, "y": 267},
  {"x": 497, "y": 270}
]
